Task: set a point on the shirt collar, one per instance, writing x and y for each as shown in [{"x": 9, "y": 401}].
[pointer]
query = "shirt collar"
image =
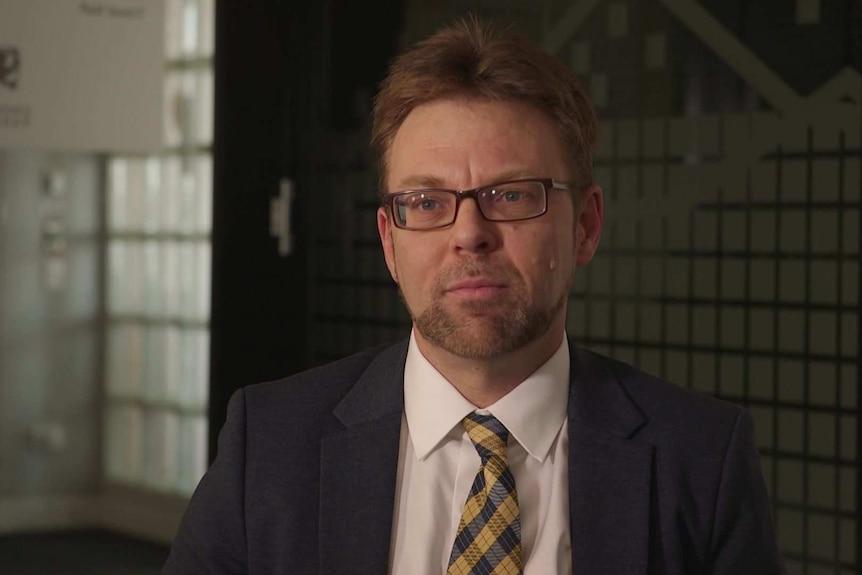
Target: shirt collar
[{"x": 533, "y": 412}]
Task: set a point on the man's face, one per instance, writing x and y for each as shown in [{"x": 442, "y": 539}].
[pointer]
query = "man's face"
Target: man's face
[{"x": 481, "y": 289}]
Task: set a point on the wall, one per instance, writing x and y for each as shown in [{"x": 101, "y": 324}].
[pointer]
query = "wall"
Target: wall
[{"x": 50, "y": 297}]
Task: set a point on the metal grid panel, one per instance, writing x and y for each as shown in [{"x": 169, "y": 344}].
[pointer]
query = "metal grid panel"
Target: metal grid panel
[
  {"x": 754, "y": 299},
  {"x": 730, "y": 264}
]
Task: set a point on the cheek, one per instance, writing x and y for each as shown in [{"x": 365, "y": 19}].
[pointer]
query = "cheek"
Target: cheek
[
  {"x": 551, "y": 258},
  {"x": 559, "y": 261},
  {"x": 414, "y": 264},
  {"x": 548, "y": 257}
]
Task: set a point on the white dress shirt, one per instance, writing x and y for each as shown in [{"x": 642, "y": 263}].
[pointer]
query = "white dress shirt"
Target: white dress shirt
[{"x": 437, "y": 463}]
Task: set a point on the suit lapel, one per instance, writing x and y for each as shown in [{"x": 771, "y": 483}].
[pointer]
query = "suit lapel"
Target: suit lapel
[
  {"x": 609, "y": 473},
  {"x": 358, "y": 468}
]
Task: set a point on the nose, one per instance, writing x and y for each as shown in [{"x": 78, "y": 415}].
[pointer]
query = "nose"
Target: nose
[{"x": 471, "y": 232}]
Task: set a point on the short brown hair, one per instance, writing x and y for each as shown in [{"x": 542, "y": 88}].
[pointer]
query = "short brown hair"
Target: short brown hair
[{"x": 477, "y": 59}]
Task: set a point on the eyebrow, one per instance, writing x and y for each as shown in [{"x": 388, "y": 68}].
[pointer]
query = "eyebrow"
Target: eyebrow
[
  {"x": 420, "y": 181},
  {"x": 429, "y": 181}
]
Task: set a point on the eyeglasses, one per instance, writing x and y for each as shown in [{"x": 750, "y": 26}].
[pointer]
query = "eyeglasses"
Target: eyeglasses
[{"x": 502, "y": 202}]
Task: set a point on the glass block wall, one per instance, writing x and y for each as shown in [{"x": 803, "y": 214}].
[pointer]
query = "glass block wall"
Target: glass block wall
[
  {"x": 158, "y": 277},
  {"x": 730, "y": 257}
]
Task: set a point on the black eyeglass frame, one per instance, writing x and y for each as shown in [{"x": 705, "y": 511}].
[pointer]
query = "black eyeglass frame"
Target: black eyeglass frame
[{"x": 388, "y": 200}]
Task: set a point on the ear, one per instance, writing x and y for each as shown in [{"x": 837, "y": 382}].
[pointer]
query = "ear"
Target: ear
[
  {"x": 384, "y": 228},
  {"x": 588, "y": 228}
]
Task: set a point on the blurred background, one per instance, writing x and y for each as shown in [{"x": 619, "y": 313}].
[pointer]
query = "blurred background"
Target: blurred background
[{"x": 187, "y": 206}]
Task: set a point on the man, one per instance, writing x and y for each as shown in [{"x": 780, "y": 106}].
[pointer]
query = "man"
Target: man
[{"x": 488, "y": 442}]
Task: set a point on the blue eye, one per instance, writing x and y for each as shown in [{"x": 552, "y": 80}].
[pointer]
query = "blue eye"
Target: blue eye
[{"x": 513, "y": 196}]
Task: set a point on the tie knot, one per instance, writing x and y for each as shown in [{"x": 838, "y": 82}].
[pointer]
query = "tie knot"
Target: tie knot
[{"x": 488, "y": 435}]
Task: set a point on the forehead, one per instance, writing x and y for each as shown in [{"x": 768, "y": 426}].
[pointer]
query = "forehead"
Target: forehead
[{"x": 464, "y": 143}]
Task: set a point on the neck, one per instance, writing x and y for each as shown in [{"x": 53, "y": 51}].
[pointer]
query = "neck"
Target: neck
[{"x": 483, "y": 381}]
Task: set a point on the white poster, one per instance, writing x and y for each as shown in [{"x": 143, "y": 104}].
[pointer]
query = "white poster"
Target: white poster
[{"x": 81, "y": 75}]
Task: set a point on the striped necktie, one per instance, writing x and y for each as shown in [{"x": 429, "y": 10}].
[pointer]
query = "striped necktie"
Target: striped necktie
[{"x": 489, "y": 534}]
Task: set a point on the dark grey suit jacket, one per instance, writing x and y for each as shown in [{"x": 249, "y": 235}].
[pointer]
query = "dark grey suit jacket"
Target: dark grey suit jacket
[{"x": 661, "y": 479}]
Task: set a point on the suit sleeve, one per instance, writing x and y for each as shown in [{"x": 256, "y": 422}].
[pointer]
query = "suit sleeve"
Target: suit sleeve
[
  {"x": 211, "y": 537},
  {"x": 743, "y": 539}
]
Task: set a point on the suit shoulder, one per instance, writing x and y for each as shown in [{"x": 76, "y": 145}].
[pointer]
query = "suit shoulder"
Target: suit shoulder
[
  {"x": 663, "y": 400},
  {"x": 324, "y": 385}
]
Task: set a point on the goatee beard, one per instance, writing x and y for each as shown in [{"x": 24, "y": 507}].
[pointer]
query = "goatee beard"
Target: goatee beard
[{"x": 486, "y": 329}]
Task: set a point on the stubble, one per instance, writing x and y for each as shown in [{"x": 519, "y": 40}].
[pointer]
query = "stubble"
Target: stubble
[{"x": 485, "y": 329}]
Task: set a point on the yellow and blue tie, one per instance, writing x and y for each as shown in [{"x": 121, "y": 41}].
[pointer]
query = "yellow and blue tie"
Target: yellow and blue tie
[{"x": 489, "y": 534}]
